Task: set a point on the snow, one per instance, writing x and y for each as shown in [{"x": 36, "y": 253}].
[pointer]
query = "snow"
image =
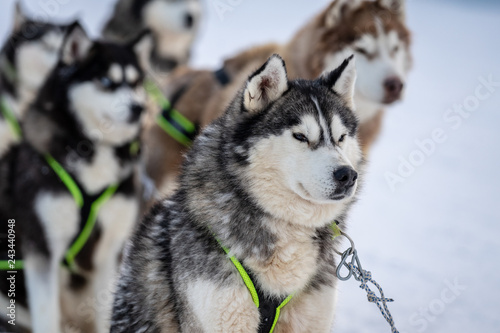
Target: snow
[{"x": 432, "y": 241}]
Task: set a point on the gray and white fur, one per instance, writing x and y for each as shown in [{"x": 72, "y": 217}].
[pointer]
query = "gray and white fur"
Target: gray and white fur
[{"x": 266, "y": 180}]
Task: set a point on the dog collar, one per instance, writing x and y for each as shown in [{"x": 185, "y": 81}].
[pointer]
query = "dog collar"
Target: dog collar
[
  {"x": 170, "y": 120},
  {"x": 11, "y": 119}
]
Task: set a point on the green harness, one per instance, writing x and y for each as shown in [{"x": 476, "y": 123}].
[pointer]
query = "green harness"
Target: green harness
[
  {"x": 81, "y": 240},
  {"x": 266, "y": 326},
  {"x": 170, "y": 120},
  {"x": 11, "y": 119}
]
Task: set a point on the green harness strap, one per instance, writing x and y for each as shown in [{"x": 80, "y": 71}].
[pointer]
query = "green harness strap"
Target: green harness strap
[
  {"x": 251, "y": 287},
  {"x": 84, "y": 235},
  {"x": 11, "y": 119},
  {"x": 75, "y": 191},
  {"x": 176, "y": 125}
]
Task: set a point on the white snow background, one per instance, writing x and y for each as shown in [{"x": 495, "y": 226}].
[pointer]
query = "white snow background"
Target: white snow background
[{"x": 432, "y": 240}]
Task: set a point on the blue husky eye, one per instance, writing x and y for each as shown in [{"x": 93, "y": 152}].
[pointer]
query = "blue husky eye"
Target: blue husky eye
[
  {"x": 106, "y": 82},
  {"x": 301, "y": 137}
]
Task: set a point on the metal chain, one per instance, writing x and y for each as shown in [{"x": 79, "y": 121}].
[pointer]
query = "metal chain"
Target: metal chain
[{"x": 355, "y": 270}]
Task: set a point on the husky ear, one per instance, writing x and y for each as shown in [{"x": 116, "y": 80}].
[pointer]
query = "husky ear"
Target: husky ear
[
  {"x": 338, "y": 9},
  {"x": 19, "y": 17},
  {"x": 266, "y": 85},
  {"x": 397, "y": 7},
  {"x": 342, "y": 80},
  {"x": 143, "y": 46},
  {"x": 76, "y": 44}
]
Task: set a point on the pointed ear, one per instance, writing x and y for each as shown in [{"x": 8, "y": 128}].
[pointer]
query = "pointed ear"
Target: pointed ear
[
  {"x": 338, "y": 9},
  {"x": 76, "y": 44},
  {"x": 143, "y": 46},
  {"x": 342, "y": 80},
  {"x": 397, "y": 7},
  {"x": 266, "y": 85},
  {"x": 19, "y": 17}
]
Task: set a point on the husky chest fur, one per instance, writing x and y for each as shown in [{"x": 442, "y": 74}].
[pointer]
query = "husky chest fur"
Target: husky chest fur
[
  {"x": 265, "y": 181},
  {"x": 82, "y": 126}
]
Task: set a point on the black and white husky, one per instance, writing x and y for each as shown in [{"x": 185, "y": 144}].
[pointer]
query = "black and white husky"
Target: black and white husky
[
  {"x": 174, "y": 25},
  {"x": 26, "y": 59},
  {"x": 74, "y": 183},
  {"x": 264, "y": 182}
]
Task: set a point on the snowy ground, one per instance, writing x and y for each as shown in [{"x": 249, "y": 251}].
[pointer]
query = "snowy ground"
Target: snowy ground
[{"x": 432, "y": 240}]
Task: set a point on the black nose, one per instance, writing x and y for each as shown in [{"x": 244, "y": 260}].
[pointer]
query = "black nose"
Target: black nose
[
  {"x": 136, "y": 112},
  {"x": 189, "y": 21},
  {"x": 345, "y": 176},
  {"x": 393, "y": 87}
]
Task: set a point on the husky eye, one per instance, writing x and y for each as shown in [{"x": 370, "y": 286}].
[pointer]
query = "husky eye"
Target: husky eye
[
  {"x": 105, "y": 82},
  {"x": 301, "y": 137},
  {"x": 342, "y": 138},
  {"x": 361, "y": 50}
]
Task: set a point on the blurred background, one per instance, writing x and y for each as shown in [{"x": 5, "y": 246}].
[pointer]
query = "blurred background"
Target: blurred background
[{"x": 428, "y": 220}]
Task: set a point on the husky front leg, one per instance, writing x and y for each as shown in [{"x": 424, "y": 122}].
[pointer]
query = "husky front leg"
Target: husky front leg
[
  {"x": 42, "y": 283},
  {"x": 224, "y": 309}
]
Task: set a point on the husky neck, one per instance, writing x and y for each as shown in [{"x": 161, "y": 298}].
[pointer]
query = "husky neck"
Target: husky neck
[{"x": 94, "y": 164}]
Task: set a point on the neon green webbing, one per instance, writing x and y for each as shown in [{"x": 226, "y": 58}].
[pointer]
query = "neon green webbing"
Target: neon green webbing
[
  {"x": 66, "y": 179},
  {"x": 158, "y": 97},
  {"x": 336, "y": 230},
  {"x": 73, "y": 188},
  {"x": 89, "y": 226},
  {"x": 278, "y": 311},
  {"x": 245, "y": 277},
  {"x": 172, "y": 131},
  {"x": 11, "y": 119},
  {"x": 5, "y": 266}
]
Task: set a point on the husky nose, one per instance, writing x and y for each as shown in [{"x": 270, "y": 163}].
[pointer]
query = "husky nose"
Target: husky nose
[
  {"x": 393, "y": 87},
  {"x": 345, "y": 177},
  {"x": 136, "y": 112},
  {"x": 189, "y": 21}
]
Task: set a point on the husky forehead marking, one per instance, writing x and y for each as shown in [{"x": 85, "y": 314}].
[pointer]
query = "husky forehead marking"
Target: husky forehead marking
[
  {"x": 325, "y": 131},
  {"x": 131, "y": 74},
  {"x": 116, "y": 73}
]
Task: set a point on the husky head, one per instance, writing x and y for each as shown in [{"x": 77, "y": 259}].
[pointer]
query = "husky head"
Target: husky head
[
  {"x": 375, "y": 32},
  {"x": 294, "y": 143},
  {"x": 96, "y": 88},
  {"x": 173, "y": 23},
  {"x": 28, "y": 56}
]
